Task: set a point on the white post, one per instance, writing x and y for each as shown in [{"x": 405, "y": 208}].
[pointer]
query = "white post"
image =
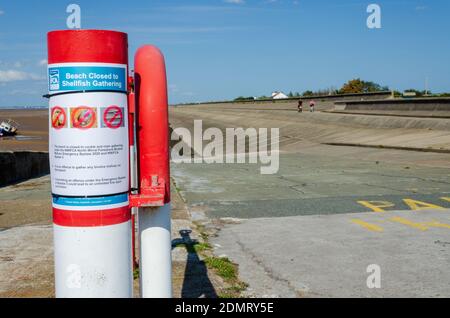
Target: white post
[
  {"x": 155, "y": 246},
  {"x": 93, "y": 261}
]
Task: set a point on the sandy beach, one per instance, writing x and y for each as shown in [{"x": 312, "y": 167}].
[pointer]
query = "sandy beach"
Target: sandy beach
[{"x": 33, "y": 130}]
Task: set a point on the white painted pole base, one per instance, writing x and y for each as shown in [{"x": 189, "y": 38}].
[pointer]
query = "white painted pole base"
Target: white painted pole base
[
  {"x": 93, "y": 262},
  {"x": 155, "y": 246}
]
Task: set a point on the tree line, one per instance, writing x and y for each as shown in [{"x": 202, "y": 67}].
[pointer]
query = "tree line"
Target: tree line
[{"x": 354, "y": 86}]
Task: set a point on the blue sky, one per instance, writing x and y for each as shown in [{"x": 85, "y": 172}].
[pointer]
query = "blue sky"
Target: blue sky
[{"x": 221, "y": 49}]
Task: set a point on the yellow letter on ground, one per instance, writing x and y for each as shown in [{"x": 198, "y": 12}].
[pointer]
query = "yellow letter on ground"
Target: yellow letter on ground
[
  {"x": 377, "y": 206},
  {"x": 419, "y": 205}
]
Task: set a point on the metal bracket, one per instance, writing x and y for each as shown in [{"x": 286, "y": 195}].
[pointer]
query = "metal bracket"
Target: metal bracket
[{"x": 152, "y": 194}]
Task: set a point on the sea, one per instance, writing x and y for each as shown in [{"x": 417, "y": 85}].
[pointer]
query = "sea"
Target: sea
[{"x": 22, "y": 107}]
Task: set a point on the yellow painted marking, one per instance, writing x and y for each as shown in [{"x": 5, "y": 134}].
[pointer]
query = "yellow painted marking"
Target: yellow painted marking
[
  {"x": 420, "y": 205},
  {"x": 438, "y": 224},
  {"x": 446, "y": 199},
  {"x": 368, "y": 226},
  {"x": 419, "y": 226},
  {"x": 377, "y": 206}
]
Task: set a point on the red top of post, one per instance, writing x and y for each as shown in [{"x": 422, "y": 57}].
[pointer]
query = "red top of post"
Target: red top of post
[{"x": 101, "y": 46}]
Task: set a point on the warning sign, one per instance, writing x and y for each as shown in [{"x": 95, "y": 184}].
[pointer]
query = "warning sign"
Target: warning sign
[
  {"x": 83, "y": 117},
  {"x": 85, "y": 161},
  {"x": 58, "y": 117},
  {"x": 112, "y": 117}
]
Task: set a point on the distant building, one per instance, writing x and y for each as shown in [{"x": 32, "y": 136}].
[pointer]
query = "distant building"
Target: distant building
[
  {"x": 279, "y": 95},
  {"x": 409, "y": 94}
]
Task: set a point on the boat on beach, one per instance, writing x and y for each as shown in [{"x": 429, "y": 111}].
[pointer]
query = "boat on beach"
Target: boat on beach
[{"x": 8, "y": 128}]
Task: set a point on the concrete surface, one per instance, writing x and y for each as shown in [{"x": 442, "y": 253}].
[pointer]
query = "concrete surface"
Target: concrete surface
[
  {"x": 26, "y": 246},
  {"x": 301, "y": 130},
  {"x": 26, "y": 203},
  {"x": 328, "y": 255},
  {"x": 26, "y": 261},
  {"x": 312, "y": 229}
]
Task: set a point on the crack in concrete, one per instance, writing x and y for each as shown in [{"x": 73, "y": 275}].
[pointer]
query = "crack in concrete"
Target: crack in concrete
[
  {"x": 269, "y": 271},
  {"x": 408, "y": 177},
  {"x": 382, "y": 187}
]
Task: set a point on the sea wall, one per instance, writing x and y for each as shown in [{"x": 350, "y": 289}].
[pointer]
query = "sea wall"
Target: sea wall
[
  {"x": 18, "y": 166},
  {"x": 413, "y": 104}
]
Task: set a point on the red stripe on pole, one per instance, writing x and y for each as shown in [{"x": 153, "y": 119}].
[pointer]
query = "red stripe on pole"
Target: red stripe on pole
[
  {"x": 100, "y": 46},
  {"x": 91, "y": 218}
]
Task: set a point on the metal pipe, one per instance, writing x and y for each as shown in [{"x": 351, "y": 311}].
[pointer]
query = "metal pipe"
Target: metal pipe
[{"x": 153, "y": 199}]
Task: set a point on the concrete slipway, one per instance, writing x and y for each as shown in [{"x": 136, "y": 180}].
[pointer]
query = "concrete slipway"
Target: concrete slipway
[{"x": 314, "y": 228}]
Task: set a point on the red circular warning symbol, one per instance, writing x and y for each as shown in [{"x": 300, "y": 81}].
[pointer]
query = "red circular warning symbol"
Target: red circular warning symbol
[
  {"x": 58, "y": 117},
  {"x": 83, "y": 117},
  {"x": 113, "y": 117}
]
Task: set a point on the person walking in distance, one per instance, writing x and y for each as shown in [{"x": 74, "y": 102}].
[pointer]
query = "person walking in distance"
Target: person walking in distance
[
  {"x": 312, "y": 104},
  {"x": 300, "y": 106}
]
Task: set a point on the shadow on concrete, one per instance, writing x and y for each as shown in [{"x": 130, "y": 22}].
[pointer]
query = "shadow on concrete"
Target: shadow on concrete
[
  {"x": 20, "y": 166},
  {"x": 196, "y": 282}
]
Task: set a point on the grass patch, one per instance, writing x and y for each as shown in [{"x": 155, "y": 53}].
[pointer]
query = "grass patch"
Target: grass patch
[
  {"x": 233, "y": 291},
  {"x": 223, "y": 266},
  {"x": 194, "y": 247},
  {"x": 136, "y": 273},
  {"x": 200, "y": 247},
  {"x": 202, "y": 231},
  {"x": 226, "y": 295},
  {"x": 177, "y": 188}
]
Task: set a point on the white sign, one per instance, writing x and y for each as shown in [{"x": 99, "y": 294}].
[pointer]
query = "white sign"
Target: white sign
[{"x": 89, "y": 152}]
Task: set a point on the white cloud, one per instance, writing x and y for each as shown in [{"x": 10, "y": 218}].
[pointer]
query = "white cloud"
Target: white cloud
[
  {"x": 173, "y": 88},
  {"x": 235, "y": 1},
  {"x": 43, "y": 62},
  {"x": 13, "y": 76},
  {"x": 22, "y": 92}
]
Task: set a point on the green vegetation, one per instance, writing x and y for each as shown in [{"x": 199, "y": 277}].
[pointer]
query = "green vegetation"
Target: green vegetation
[
  {"x": 242, "y": 98},
  {"x": 194, "y": 246},
  {"x": 357, "y": 85},
  {"x": 136, "y": 273},
  {"x": 233, "y": 292},
  {"x": 293, "y": 95},
  {"x": 223, "y": 267},
  {"x": 202, "y": 231},
  {"x": 229, "y": 273},
  {"x": 354, "y": 86}
]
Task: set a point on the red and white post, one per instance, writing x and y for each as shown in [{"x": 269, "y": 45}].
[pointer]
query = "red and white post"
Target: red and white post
[{"x": 89, "y": 160}]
